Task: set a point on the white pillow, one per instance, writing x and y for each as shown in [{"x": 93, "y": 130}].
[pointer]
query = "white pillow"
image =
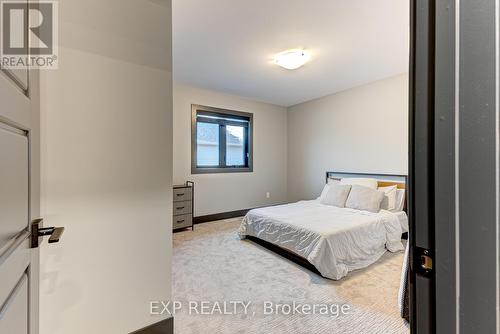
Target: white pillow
[
  {"x": 326, "y": 187},
  {"x": 389, "y": 201},
  {"x": 370, "y": 183},
  {"x": 324, "y": 192},
  {"x": 400, "y": 200},
  {"x": 337, "y": 195},
  {"x": 364, "y": 198}
]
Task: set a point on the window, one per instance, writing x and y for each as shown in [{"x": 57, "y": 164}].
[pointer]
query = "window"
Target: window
[{"x": 221, "y": 141}]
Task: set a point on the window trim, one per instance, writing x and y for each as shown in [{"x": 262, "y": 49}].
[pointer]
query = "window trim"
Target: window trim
[{"x": 195, "y": 169}]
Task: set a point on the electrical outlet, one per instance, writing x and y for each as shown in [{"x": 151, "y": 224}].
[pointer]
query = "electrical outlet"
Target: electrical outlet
[{"x": 268, "y": 195}]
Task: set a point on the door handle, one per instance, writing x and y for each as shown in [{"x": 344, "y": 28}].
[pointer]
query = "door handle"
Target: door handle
[{"x": 38, "y": 232}]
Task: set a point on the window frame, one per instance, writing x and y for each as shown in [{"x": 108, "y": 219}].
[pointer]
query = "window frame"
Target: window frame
[{"x": 195, "y": 169}]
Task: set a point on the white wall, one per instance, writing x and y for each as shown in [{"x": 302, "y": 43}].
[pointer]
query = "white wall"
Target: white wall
[
  {"x": 216, "y": 193},
  {"x": 106, "y": 143},
  {"x": 364, "y": 129}
]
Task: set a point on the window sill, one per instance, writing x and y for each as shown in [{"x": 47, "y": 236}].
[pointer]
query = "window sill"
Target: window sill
[{"x": 221, "y": 170}]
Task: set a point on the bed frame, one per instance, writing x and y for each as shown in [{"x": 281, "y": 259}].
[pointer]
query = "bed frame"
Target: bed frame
[
  {"x": 286, "y": 254},
  {"x": 385, "y": 180}
]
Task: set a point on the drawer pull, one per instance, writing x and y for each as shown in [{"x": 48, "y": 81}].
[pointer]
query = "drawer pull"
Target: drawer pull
[
  {"x": 179, "y": 195},
  {"x": 180, "y": 207},
  {"x": 181, "y": 221}
]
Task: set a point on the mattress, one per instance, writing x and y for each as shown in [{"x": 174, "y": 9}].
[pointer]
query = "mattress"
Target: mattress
[{"x": 335, "y": 240}]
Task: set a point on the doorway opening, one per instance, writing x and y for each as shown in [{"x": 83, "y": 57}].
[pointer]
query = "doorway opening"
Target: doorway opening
[{"x": 321, "y": 219}]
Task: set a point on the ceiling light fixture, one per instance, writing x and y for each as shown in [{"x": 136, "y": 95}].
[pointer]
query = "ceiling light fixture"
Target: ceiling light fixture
[{"x": 292, "y": 59}]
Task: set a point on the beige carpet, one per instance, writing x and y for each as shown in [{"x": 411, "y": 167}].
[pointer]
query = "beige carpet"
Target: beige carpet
[{"x": 211, "y": 264}]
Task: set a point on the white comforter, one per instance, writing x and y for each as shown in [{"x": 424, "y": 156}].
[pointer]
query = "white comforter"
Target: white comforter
[{"x": 335, "y": 240}]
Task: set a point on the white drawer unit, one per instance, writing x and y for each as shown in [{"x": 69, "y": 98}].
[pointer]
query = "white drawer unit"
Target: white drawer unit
[{"x": 183, "y": 206}]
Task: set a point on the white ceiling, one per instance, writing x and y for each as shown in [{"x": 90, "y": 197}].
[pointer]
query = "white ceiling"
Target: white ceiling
[{"x": 226, "y": 45}]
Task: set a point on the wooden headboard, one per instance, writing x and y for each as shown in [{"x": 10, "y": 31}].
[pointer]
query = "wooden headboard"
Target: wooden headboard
[{"x": 384, "y": 180}]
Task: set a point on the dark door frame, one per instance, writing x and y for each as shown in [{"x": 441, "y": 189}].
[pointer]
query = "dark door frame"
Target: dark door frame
[
  {"x": 421, "y": 162},
  {"x": 453, "y": 175}
]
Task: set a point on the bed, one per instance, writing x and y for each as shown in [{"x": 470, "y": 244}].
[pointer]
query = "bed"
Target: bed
[{"x": 327, "y": 239}]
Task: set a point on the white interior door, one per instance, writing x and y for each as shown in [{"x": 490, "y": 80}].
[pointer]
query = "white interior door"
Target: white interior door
[{"x": 19, "y": 200}]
